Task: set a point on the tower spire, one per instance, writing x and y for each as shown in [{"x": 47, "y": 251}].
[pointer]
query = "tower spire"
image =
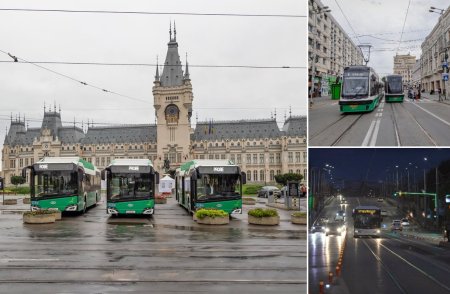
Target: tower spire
[
  {"x": 157, "y": 69},
  {"x": 170, "y": 31},
  {"x": 44, "y": 107},
  {"x": 174, "y": 31},
  {"x": 186, "y": 74}
]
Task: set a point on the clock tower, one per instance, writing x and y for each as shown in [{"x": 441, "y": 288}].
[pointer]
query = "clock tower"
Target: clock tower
[{"x": 172, "y": 96}]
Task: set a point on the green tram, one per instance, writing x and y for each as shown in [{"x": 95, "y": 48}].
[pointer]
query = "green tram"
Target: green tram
[
  {"x": 393, "y": 88},
  {"x": 210, "y": 184},
  {"x": 64, "y": 184},
  {"x": 361, "y": 89},
  {"x": 130, "y": 187}
]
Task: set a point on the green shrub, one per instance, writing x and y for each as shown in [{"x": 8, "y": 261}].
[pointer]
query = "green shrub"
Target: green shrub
[
  {"x": 263, "y": 212},
  {"x": 299, "y": 214},
  {"x": 19, "y": 190},
  {"x": 250, "y": 189},
  {"x": 38, "y": 212},
  {"x": 211, "y": 212},
  {"x": 248, "y": 199}
]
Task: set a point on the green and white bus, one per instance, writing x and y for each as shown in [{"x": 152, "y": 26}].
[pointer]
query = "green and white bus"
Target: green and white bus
[
  {"x": 210, "y": 184},
  {"x": 130, "y": 187},
  {"x": 64, "y": 184}
]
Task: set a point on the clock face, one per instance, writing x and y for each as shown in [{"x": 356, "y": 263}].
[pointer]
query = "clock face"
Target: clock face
[{"x": 172, "y": 113}]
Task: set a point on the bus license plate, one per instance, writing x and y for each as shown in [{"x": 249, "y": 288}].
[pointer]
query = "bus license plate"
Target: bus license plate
[
  {"x": 53, "y": 209},
  {"x": 353, "y": 106},
  {"x": 130, "y": 211}
]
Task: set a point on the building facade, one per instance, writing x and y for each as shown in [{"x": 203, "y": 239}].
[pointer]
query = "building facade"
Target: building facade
[
  {"x": 330, "y": 49},
  {"x": 436, "y": 44},
  {"x": 260, "y": 147},
  {"x": 404, "y": 66},
  {"x": 416, "y": 75}
]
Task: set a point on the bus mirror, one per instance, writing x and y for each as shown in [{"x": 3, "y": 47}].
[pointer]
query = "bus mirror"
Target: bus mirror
[
  {"x": 24, "y": 172},
  {"x": 243, "y": 178},
  {"x": 194, "y": 176},
  {"x": 373, "y": 78},
  {"x": 157, "y": 178},
  {"x": 103, "y": 173}
]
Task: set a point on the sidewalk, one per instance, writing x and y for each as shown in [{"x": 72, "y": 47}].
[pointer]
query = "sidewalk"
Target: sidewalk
[
  {"x": 435, "y": 98},
  {"x": 20, "y": 206},
  {"x": 320, "y": 101}
]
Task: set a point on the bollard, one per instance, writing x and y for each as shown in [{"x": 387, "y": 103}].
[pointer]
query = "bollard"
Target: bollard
[
  {"x": 321, "y": 287},
  {"x": 338, "y": 271},
  {"x": 330, "y": 277}
]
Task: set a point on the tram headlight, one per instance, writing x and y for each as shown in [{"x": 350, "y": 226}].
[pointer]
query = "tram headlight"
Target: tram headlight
[
  {"x": 237, "y": 211},
  {"x": 112, "y": 210},
  {"x": 378, "y": 231},
  {"x": 34, "y": 208},
  {"x": 339, "y": 230},
  {"x": 72, "y": 207},
  {"x": 147, "y": 211},
  {"x": 327, "y": 230}
]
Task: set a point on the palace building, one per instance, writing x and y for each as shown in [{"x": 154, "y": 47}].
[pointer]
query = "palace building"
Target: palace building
[{"x": 260, "y": 147}]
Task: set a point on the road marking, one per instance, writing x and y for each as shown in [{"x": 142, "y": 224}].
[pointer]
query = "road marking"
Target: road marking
[
  {"x": 416, "y": 268},
  {"x": 375, "y": 133},
  {"x": 369, "y": 133},
  {"x": 432, "y": 114}
]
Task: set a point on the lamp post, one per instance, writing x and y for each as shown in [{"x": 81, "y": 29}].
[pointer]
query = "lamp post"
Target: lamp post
[
  {"x": 396, "y": 168},
  {"x": 313, "y": 14},
  {"x": 424, "y": 175},
  {"x": 445, "y": 69}
]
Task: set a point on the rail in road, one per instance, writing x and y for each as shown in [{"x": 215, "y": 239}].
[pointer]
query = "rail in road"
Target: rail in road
[
  {"x": 86, "y": 254},
  {"x": 419, "y": 123},
  {"x": 390, "y": 264}
]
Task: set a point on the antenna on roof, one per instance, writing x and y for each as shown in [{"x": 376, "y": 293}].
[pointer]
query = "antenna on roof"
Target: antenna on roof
[
  {"x": 74, "y": 122},
  {"x": 44, "y": 107},
  {"x": 271, "y": 115},
  {"x": 59, "y": 108},
  {"x": 285, "y": 115},
  {"x": 290, "y": 111},
  {"x": 196, "y": 117},
  {"x": 82, "y": 125},
  {"x": 275, "y": 115},
  {"x": 11, "y": 116}
]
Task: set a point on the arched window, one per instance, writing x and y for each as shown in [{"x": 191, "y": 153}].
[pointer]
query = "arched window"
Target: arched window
[
  {"x": 261, "y": 175},
  {"x": 249, "y": 175},
  {"x": 272, "y": 175},
  {"x": 255, "y": 175}
]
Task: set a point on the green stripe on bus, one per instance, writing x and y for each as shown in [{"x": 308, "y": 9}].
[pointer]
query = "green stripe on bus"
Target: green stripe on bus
[{"x": 132, "y": 207}]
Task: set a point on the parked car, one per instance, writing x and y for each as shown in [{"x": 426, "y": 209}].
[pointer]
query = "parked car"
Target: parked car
[
  {"x": 343, "y": 201},
  {"x": 405, "y": 222},
  {"x": 269, "y": 190},
  {"x": 380, "y": 199},
  {"x": 340, "y": 216},
  {"x": 384, "y": 213},
  {"x": 334, "y": 228},
  {"x": 396, "y": 225}
]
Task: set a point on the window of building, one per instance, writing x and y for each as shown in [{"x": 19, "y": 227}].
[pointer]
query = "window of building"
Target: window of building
[
  {"x": 217, "y": 156},
  {"x": 238, "y": 159},
  {"x": 222, "y": 156},
  {"x": 261, "y": 175},
  {"x": 249, "y": 158},
  {"x": 290, "y": 157},
  {"x": 272, "y": 175},
  {"x": 232, "y": 158},
  {"x": 255, "y": 175},
  {"x": 304, "y": 174},
  {"x": 271, "y": 158},
  {"x": 278, "y": 158},
  {"x": 211, "y": 156},
  {"x": 255, "y": 158},
  {"x": 249, "y": 175},
  {"x": 297, "y": 156}
]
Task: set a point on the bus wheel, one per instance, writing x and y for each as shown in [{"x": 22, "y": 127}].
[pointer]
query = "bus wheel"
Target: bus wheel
[{"x": 84, "y": 206}]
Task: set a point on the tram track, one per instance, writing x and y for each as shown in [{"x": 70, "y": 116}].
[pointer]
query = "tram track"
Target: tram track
[
  {"x": 394, "y": 122},
  {"x": 406, "y": 262},
  {"x": 312, "y": 136},
  {"x": 428, "y": 135},
  {"x": 335, "y": 142}
]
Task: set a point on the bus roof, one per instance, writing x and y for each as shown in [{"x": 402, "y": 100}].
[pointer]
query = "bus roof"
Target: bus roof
[
  {"x": 88, "y": 167},
  {"x": 367, "y": 207},
  {"x": 357, "y": 67},
  {"x": 205, "y": 162},
  {"x": 136, "y": 162}
]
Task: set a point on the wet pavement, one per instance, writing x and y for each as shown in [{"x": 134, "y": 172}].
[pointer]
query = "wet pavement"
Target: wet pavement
[{"x": 168, "y": 253}]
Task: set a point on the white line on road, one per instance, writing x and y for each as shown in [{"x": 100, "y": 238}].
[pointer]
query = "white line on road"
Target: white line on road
[
  {"x": 432, "y": 114},
  {"x": 369, "y": 133},
  {"x": 375, "y": 133}
]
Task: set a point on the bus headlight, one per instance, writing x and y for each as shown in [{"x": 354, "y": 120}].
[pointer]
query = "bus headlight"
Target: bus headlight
[
  {"x": 34, "y": 208},
  {"x": 112, "y": 210},
  {"x": 339, "y": 230},
  {"x": 147, "y": 211},
  {"x": 327, "y": 230},
  {"x": 356, "y": 231},
  {"x": 72, "y": 207},
  {"x": 237, "y": 211}
]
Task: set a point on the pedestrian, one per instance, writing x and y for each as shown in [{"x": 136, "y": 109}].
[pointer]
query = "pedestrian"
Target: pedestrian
[
  {"x": 447, "y": 231},
  {"x": 439, "y": 94},
  {"x": 303, "y": 190}
]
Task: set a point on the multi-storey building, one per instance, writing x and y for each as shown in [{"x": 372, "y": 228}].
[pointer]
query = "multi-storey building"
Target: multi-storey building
[
  {"x": 416, "y": 74},
  {"x": 436, "y": 44},
  {"x": 260, "y": 147},
  {"x": 404, "y": 66},
  {"x": 330, "y": 49}
]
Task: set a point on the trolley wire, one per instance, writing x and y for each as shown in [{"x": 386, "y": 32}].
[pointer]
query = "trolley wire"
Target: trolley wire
[
  {"x": 348, "y": 22},
  {"x": 153, "y": 13},
  {"x": 403, "y": 28}
]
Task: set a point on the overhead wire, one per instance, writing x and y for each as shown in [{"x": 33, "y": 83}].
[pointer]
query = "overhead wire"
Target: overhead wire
[
  {"x": 403, "y": 28},
  {"x": 152, "y": 12}
]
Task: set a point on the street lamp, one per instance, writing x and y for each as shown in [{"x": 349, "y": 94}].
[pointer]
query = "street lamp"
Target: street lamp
[
  {"x": 433, "y": 9},
  {"x": 313, "y": 12}
]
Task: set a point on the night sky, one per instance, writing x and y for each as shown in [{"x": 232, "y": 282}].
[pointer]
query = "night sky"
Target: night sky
[{"x": 373, "y": 163}]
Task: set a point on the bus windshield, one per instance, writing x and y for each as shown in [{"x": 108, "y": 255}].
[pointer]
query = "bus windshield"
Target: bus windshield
[
  {"x": 123, "y": 186},
  {"x": 367, "y": 221},
  {"x": 354, "y": 86},
  {"x": 55, "y": 183},
  {"x": 394, "y": 85},
  {"x": 218, "y": 186}
]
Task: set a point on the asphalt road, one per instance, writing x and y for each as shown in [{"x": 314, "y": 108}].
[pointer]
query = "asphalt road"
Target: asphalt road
[
  {"x": 167, "y": 254},
  {"x": 421, "y": 123},
  {"x": 390, "y": 264}
]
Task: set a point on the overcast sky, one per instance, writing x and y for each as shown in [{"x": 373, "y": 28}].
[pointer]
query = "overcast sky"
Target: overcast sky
[
  {"x": 219, "y": 93},
  {"x": 383, "y": 19}
]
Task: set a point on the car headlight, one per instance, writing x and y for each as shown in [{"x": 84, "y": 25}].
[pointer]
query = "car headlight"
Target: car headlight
[
  {"x": 112, "y": 210},
  {"x": 237, "y": 211},
  {"x": 147, "y": 211}
]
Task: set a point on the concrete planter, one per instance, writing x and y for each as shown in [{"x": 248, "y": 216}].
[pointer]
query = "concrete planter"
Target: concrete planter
[
  {"x": 26, "y": 201},
  {"x": 38, "y": 218},
  {"x": 248, "y": 201},
  {"x": 264, "y": 221},
  {"x": 57, "y": 214},
  {"x": 10, "y": 202},
  {"x": 298, "y": 220},
  {"x": 213, "y": 220},
  {"x": 160, "y": 200}
]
